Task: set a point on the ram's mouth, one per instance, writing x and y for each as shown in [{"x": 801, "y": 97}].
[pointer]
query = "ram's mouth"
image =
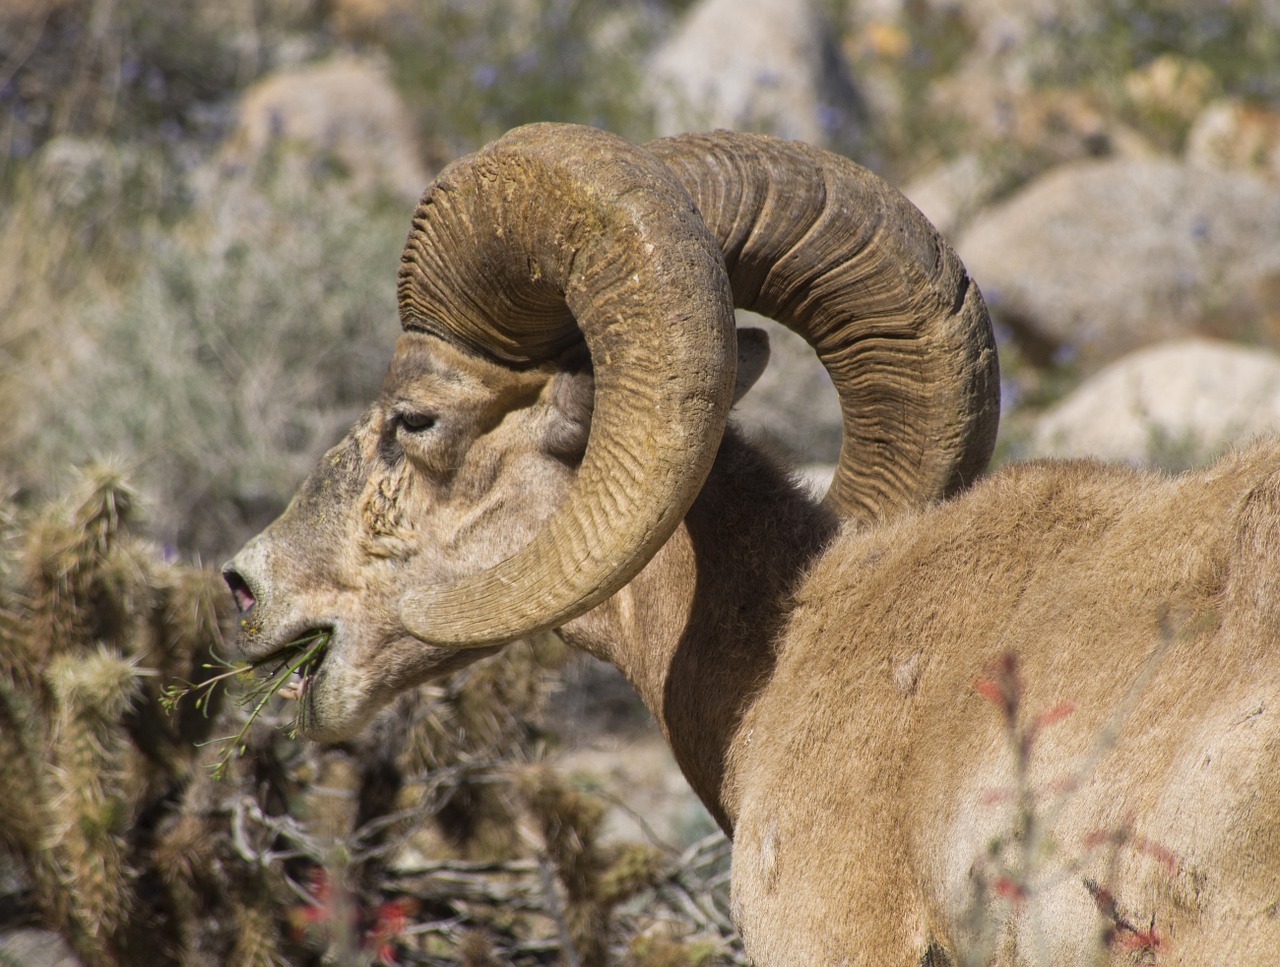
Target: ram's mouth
[{"x": 291, "y": 669}]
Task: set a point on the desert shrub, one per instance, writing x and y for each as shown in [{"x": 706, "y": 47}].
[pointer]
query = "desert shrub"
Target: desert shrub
[
  {"x": 244, "y": 345},
  {"x": 1156, "y": 62},
  {"x": 472, "y": 70},
  {"x": 139, "y": 69}
]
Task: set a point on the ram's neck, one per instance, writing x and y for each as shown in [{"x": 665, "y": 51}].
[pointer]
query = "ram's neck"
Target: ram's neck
[{"x": 695, "y": 632}]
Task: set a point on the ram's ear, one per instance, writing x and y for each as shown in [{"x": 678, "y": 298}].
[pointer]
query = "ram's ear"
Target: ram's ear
[
  {"x": 572, "y": 393},
  {"x": 572, "y": 398},
  {"x": 753, "y": 357}
]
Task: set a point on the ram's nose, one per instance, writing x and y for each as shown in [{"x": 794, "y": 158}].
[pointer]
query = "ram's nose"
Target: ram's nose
[
  {"x": 250, "y": 575},
  {"x": 241, "y": 591},
  {"x": 253, "y": 584}
]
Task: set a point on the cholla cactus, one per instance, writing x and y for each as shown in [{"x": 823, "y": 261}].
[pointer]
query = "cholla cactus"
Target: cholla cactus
[
  {"x": 90, "y": 799},
  {"x": 594, "y": 879},
  {"x": 87, "y": 627},
  {"x": 64, "y": 549},
  {"x": 130, "y": 849}
]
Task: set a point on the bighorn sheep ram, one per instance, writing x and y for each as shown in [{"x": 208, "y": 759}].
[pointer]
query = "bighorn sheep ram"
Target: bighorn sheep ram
[{"x": 550, "y": 451}]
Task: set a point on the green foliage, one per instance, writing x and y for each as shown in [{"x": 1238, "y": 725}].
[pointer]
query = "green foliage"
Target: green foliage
[
  {"x": 299, "y": 658},
  {"x": 1226, "y": 48},
  {"x": 472, "y": 69},
  {"x": 1236, "y": 39},
  {"x": 143, "y": 70}
]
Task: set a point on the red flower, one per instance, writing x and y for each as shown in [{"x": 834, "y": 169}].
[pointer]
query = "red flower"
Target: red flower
[
  {"x": 385, "y": 922},
  {"x": 1009, "y": 889},
  {"x": 1001, "y": 686},
  {"x": 1143, "y": 940},
  {"x": 389, "y": 921}
]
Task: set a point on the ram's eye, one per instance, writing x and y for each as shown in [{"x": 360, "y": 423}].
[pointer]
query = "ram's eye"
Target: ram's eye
[{"x": 415, "y": 422}]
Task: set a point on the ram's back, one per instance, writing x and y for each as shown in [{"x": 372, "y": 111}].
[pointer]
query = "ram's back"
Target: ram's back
[{"x": 1120, "y": 627}]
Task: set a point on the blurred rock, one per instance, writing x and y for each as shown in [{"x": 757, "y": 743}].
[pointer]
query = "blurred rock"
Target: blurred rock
[
  {"x": 952, "y": 193},
  {"x": 1097, "y": 258},
  {"x": 342, "y": 118},
  {"x": 760, "y": 65},
  {"x": 793, "y": 407},
  {"x": 1233, "y": 134},
  {"x": 1176, "y": 405},
  {"x": 36, "y": 948},
  {"x": 647, "y": 793}
]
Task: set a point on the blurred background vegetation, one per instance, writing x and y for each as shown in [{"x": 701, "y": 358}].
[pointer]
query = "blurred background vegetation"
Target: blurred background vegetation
[
  {"x": 201, "y": 209},
  {"x": 210, "y": 299}
]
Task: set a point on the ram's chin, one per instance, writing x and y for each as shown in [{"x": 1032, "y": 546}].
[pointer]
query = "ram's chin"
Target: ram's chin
[
  {"x": 341, "y": 698},
  {"x": 332, "y": 706}
]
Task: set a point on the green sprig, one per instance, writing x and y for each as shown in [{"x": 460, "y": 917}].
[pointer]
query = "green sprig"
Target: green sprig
[{"x": 300, "y": 656}]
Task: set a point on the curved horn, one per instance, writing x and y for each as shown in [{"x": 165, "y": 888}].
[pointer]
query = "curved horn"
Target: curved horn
[
  {"x": 835, "y": 254},
  {"x": 550, "y": 230}
]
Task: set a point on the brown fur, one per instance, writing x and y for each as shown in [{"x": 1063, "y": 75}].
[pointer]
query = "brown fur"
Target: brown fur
[
  {"x": 817, "y": 684},
  {"x": 1082, "y": 571}
]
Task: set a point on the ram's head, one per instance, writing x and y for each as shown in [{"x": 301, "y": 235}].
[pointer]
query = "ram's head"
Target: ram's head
[{"x": 562, "y": 383}]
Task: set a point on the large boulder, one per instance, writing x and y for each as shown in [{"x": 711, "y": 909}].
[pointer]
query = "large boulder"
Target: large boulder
[
  {"x": 339, "y": 119},
  {"x": 761, "y": 65},
  {"x": 1176, "y": 405},
  {"x": 953, "y": 192},
  {"x": 1097, "y": 258},
  {"x": 793, "y": 407}
]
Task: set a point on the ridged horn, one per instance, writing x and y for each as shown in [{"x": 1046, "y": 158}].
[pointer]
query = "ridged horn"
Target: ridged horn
[
  {"x": 831, "y": 251},
  {"x": 550, "y": 234}
]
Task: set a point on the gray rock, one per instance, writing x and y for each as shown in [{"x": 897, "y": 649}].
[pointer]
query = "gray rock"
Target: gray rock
[
  {"x": 762, "y": 65},
  {"x": 793, "y": 407},
  {"x": 341, "y": 117},
  {"x": 953, "y": 192},
  {"x": 36, "y": 948},
  {"x": 1175, "y": 405},
  {"x": 1100, "y": 257}
]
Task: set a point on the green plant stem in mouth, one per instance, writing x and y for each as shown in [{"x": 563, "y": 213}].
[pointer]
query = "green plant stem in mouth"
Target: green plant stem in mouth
[{"x": 300, "y": 657}]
